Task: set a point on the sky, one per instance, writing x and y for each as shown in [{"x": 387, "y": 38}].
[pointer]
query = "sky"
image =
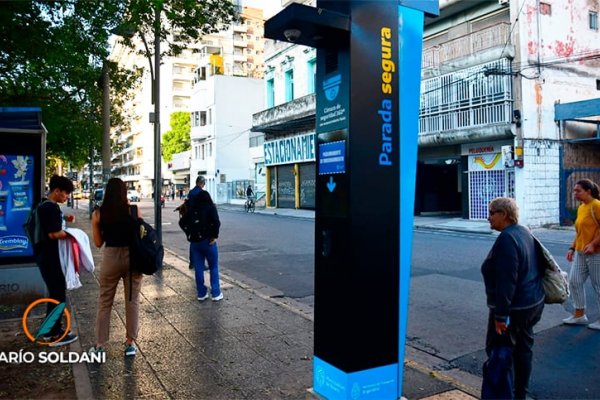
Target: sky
[{"x": 270, "y": 7}]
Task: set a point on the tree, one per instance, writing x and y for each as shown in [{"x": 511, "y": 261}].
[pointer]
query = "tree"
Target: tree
[
  {"x": 52, "y": 52},
  {"x": 178, "y": 138}
]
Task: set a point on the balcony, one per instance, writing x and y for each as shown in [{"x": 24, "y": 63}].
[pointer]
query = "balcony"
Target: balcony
[
  {"x": 201, "y": 132},
  {"x": 473, "y": 103},
  {"x": 295, "y": 115},
  {"x": 240, "y": 58},
  {"x": 238, "y": 42},
  {"x": 240, "y": 28},
  {"x": 495, "y": 36}
]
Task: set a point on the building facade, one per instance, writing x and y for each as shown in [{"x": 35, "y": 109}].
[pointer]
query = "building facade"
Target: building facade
[
  {"x": 491, "y": 73},
  {"x": 132, "y": 143},
  {"x": 236, "y": 51},
  {"x": 283, "y": 138},
  {"x": 221, "y": 121}
]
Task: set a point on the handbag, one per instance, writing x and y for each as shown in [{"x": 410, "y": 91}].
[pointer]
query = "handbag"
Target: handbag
[
  {"x": 498, "y": 379},
  {"x": 554, "y": 280}
]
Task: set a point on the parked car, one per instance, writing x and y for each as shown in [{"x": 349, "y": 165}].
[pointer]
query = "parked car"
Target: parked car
[
  {"x": 77, "y": 195},
  {"x": 133, "y": 195},
  {"x": 98, "y": 196}
]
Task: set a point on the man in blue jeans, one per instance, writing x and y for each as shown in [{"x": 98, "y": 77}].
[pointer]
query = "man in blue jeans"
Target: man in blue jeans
[{"x": 205, "y": 248}]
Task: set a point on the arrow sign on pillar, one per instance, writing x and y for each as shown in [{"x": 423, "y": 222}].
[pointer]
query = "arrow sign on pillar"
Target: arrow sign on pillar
[{"x": 331, "y": 184}]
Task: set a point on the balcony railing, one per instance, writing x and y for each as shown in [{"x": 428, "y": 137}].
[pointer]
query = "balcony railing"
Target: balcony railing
[
  {"x": 472, "y": 97},
  {"x": 463, "y": 46},
  {"x": 201, "y": 132}
]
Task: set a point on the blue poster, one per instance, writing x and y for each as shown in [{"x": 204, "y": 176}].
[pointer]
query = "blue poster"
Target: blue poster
[
  {"x": 332, "y": 157},
  {"x": 16, "y": 194}
]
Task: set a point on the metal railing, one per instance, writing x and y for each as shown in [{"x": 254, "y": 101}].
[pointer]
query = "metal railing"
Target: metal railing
[
  {"x": 471, "y": 97},
  {"x": 467, "y": 45}
]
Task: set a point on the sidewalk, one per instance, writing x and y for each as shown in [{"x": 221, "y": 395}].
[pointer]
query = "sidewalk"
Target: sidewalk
[{"x": 248, "y": 346}]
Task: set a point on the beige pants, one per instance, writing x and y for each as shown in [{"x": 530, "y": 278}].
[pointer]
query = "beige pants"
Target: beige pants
[{"x": 115, "y": 266}]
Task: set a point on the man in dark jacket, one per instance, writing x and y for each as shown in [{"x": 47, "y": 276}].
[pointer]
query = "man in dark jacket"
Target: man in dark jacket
[
  {"x": 204, "y": 248},
  {"x": 513, "y": 287}
]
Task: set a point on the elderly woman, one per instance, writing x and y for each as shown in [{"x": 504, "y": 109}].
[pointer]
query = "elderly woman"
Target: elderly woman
[
  {"x": 513, "y": 287},
  {"x": 585, "y": 251}
]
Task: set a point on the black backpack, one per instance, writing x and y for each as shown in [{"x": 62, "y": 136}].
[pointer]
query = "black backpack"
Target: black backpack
[
  {"x": 145, "y": 252},
  {"x": 32, "y": 227},
  {"x": 192, "y": 221}
]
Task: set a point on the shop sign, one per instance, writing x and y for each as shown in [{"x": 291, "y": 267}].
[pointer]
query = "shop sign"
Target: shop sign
[{"x": 290, "y": 150}]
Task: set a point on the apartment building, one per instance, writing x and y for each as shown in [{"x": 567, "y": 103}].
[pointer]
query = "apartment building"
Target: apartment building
[
  {"x": 240, "y": 52},
  {"x": 221, "y": 120},
  {"x": 227, "y": 89},
  {"x": 133, "y": 144}
]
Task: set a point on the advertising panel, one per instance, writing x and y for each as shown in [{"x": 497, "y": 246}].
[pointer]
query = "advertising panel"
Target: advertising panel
[{"x": 16, "y": 196}]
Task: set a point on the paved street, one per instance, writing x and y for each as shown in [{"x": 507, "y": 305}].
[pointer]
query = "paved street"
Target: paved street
[{"x": 273, "y": 255}]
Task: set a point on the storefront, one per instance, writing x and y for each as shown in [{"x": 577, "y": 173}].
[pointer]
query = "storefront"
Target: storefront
[
  {"x": 491, "y": 174},
  {"x": 290, "y": 163}
]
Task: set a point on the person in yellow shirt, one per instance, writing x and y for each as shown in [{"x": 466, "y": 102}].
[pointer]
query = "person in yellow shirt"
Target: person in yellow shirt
[{"x": 585, "y": 251}]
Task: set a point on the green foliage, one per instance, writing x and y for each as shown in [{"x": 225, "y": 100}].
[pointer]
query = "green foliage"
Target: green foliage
[
  {"x": 52, "y": 55},
  {"x": 178, "y": 138}
]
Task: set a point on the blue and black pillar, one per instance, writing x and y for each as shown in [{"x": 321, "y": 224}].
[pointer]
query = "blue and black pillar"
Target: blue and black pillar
[{"x": 368, "y": 81}]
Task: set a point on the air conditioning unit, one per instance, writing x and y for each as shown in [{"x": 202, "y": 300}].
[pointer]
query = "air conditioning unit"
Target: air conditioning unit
[{"x": 503, "y": 2}]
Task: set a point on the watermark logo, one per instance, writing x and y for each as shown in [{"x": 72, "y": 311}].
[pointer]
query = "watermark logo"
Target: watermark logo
[
  {"x": 41, "y": 335},
  {"x": 48, "y": 322}
]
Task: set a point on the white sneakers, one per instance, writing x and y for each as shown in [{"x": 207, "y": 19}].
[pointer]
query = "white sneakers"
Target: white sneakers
[
  {"x": 583, "y": 320},
  {"x": 203, "y": 297},
  {"x": 572, "y": 320},
  {"x": 218, "y": 298},
  {"x": 595, "y": 326}
]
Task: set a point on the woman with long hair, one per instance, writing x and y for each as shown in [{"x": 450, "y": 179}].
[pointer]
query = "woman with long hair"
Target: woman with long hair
[
  {"x": 111, "y": 227},
  {"x": 585, "y": 251}
]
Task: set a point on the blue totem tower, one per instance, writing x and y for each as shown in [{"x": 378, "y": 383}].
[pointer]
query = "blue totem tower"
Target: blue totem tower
[{"x": 367, "y": 89}]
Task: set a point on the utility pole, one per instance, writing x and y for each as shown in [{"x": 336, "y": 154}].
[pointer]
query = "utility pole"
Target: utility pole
[
  {"x": 157, "y": 156},
  {"x": 106, "y": 167}
]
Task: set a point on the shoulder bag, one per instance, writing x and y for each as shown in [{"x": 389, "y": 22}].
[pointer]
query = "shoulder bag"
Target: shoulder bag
[{"x": 554, "y": 280}]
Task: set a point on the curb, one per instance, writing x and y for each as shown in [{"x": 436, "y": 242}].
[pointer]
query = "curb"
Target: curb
[
  {"x": 81, "y": 376},
  {"x": 452, "y": 229}
]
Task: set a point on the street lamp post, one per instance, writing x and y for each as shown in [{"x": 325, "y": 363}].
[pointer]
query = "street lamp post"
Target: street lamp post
[
  {"x": 155, "y": 119},
  {"x": 154, "y": 116},
  {"x": 157, "y": 155}
]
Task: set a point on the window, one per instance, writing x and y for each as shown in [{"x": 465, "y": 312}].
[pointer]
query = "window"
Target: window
[
  {"x": 202, "y": 153},
  {"x": 289, "y": 85},
  {"x": 257, "y": 141},
  {"x": 210, "y": 116},
  {"x": 593, "y": 20},
  {"x": 312, "y": 75},
  {"x": 202, "y": 118},
  {"x": 210, "y": 149},
  {"x": 196, "y": 118},
  {"x": 545, "y": 9},
  {"x": 270, "y": 93}
]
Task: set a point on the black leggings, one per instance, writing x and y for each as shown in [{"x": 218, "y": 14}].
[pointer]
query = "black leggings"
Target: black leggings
[{"x": 57, "y": 290}]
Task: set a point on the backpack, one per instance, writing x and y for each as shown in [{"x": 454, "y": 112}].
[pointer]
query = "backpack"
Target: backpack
[
  {"x": 145, "y": 251},
  {"x": 192, "y": 221},
  {"x": 32, "y": 227}
]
